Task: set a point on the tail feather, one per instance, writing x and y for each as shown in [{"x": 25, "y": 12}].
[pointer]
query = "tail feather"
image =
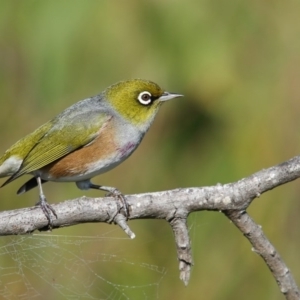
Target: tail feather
[
  {"x": 10, "y": 179},
  {"x": 27, "y": 186}
]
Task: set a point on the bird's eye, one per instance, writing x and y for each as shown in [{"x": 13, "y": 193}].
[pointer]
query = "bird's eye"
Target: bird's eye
[{"x": 145, "y": 98}]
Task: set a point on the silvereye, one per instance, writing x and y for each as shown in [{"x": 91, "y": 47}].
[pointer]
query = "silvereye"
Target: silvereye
[{"x": 88, "y": 138}]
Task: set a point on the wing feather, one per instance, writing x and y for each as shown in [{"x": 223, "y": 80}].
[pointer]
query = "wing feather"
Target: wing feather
[{"x": 64, "y": 137}]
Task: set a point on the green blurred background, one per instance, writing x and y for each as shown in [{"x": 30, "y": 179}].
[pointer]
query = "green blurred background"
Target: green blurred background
[{"x": 238, "y": 65}]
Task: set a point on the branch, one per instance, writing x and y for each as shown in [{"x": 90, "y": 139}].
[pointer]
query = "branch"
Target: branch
[
  {"x": 266, "y": 250},
  {"x": 174, "y": 206}
]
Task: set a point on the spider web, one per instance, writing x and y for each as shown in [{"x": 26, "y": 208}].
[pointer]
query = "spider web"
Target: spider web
[{"x": 47, "y": 266}]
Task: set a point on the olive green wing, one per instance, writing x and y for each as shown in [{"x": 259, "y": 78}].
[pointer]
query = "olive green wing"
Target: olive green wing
[
  {"x": 65, "y": 136},
  {"x": 22, "y": 147}
]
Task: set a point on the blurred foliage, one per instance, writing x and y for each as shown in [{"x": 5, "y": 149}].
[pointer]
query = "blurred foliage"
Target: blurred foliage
[{"x": 238, "y": 65}]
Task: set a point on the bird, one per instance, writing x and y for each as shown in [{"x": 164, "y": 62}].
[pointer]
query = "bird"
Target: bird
[{"x": 88, "y": 138}]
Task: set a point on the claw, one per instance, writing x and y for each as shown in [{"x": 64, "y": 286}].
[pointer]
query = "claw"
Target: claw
[
  {"x": 47, "y": 209},
  {"x": 111, "y": 192},
  {"x": 117, "y": 194}
]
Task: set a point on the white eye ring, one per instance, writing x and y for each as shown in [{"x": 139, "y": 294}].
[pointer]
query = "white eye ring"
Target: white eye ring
[{"x": 144, "y": 98}]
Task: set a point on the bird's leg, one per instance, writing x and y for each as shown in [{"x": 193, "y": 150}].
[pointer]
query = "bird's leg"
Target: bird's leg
[
  {"x": 113, "y": 192},
  {"x": 45, "y": 206}
]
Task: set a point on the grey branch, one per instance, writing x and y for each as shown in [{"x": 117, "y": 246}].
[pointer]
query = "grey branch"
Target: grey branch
[
  {"x": 266, "y": 250},
  {"x": 174, "y": 206}
]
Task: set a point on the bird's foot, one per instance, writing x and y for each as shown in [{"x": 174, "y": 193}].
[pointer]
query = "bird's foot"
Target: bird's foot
[
  {"x": 112, "y": 191},
  {"x": 117, "y": 194},
  {"x": 47, "y": 209}
]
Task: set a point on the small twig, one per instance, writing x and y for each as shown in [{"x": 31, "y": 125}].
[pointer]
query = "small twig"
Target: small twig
[
  {"x": 183, "y": 246},
  {"x": 121, "y": 221}
]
